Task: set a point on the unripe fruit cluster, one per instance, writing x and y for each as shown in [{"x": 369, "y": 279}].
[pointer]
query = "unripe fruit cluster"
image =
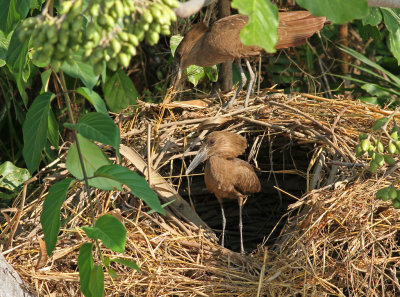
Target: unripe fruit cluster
[
  {"x": 110, "y": 31},
  {"x": 389, "y": 193},
  {"x": 376, "y": 149}
]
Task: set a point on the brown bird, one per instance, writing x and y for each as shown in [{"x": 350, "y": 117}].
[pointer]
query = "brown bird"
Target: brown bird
[
  {"x": 225, "y": 175},
  {"x": 203, "y": 46}
]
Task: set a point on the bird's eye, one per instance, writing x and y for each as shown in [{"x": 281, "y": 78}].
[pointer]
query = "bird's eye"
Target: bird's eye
[{"x": 211, "y": 141}]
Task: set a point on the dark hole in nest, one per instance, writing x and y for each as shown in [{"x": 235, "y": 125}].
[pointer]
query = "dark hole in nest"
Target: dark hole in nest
[{"x": 263, "y": 211}]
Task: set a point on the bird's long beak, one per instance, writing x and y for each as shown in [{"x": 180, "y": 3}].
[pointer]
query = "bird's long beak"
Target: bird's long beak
[{"x": 201, "y": 156}]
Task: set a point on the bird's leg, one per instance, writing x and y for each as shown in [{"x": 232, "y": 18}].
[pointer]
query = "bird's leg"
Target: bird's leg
[
  {"x": 251, "y": 82},
  {"x": 241, "y": 225},
  {"x": 242, "y": 83},
  {"x": 223, "y": 223}
]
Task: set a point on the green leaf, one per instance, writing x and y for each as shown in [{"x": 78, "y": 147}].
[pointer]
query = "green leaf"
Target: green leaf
[
  {"x": 391, "y": 19},
  {"x": 50, "y": 217},
  {"x": 379, "y": 123},
  {"x": 35, "y": 130},
  {"x": 96, "y": 282},
  {"x": 212, "y": 73},
  {"x": 338, "y": 11},
  {"x": 37, "y": 4},
  {"x": 110, "y": 231},
  {"x": 93, "y": 158},
  {"x": 119, "y": 91},
  {"x": 45, "y": 77},
  {"x": 127, "y": 263},
  {"x": 370, "y": 100},
  {"x": 174, "y": 42},
  {"x": 112, "y": 272},
  {"x": 394, "y": 44},
  {"x": 375, "y": 90},
  {"x": 16, "y": 59},
  {"x": 194, "y": 74},
  {"x": 4, "y": 42},
  {"x": 85, "y": 265},
  {"x": 98, "y": 127},
  {"x": 368, "y": 31},
  {"x": 134, "y": 181},
  {"x": 94, "y": 99},
  {"x": 367, "y": 61},
  {"x": 373, "y": 18},
  {"x": 80, "y": 69},
  {"x": 11, "y": 12},
  {"x": 262, "y": 27},
  {"x": 52, "y": 132},
  {"x": 11, "y": 176}
]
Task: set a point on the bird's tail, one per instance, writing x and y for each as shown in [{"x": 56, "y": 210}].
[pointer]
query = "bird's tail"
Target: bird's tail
[{"x": 296, "y": 26}]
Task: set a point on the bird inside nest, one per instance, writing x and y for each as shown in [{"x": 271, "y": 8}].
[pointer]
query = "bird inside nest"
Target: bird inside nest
[{"x": 225, "y": 175}]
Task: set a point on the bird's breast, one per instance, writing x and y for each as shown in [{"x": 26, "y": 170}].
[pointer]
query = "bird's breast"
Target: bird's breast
[{"x": 230, "y": 178}]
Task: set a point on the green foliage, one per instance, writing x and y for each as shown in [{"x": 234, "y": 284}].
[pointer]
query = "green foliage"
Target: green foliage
[
  {"x": 12, "y": 177},
  {"x": 35, "y": 130},
  {"x": 16, "y": 59},
  {"x": 98, "y": 127},
  {"x": 110, "y": 231},
  {"x": 338, "y": 11},
  {"x": 379, "y": 124},
  {"x": 92, "y": 158},
  {"x": 11, "y": 12},
  {"x": 85, "y": 265},
  {"x": 96, "y": 281},
  {"x": 127, "y": 263},
  {"x": 377, "y": 81},
  {"x": 381, "y": 155},
  {"x": 4, "y": 43},
  {"x": 119, "y": 91},
  {"x": 50, "y": 218},
  {"x": 134, "y": 181},
  {"x": 263, "y": 22},
  {"x": 78, "y": 68},
  {"x": 94, "y": 99}
]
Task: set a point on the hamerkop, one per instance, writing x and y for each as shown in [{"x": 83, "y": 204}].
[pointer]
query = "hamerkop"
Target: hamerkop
[
  {"x": 225, "y": 175},
  {"x": 203, "y": 46}
]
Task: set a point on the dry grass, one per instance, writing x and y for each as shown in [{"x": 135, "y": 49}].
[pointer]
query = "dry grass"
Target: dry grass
[{"x": 339, "y": 240}]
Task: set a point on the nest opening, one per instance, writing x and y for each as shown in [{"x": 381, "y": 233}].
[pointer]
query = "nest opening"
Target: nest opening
[{"x": 281, "y": 165}]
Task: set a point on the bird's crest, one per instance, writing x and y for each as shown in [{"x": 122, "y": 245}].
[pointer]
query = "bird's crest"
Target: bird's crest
[{"x": 224, "y": 143}]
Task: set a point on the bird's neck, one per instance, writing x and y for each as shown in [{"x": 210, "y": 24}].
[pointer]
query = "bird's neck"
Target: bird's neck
[{"x": 198, "y": 55}]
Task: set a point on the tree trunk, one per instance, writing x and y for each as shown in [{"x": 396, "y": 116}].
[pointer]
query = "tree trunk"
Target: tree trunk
[
  {"x": 225, "y": 70},
  {"x": 11, "y": 283}
]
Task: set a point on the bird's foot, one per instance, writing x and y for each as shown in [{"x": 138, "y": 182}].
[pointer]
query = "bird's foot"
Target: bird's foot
[{"x": 228, "y": 106}]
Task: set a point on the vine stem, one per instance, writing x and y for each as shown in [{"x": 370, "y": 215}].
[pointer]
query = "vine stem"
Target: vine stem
[{"x": 85, "y": 177}]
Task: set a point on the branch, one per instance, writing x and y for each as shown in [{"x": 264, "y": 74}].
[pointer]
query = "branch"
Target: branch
[
  {"x": 384, "y": 3},
  {"x": 190, "y": 7}
]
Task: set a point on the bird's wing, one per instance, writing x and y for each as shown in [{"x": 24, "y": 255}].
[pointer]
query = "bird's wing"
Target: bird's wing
[
  {"x": 246, "y": 180},
  {"x": 223, "y": 39},
  {"x": 296, "y": 26}
]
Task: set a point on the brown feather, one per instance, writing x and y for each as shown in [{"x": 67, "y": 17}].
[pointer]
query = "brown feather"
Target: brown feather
[
  {"x": 225, "y": 175},
  {"x": 225, "y": 144},
  {"x": 220, "y": 43}
]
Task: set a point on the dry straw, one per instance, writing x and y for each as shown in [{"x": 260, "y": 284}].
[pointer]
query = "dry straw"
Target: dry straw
[{"x": 339, "y": 240}]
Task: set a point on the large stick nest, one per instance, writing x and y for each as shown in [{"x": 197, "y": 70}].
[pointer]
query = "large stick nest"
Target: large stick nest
[{"x": 337, "y": 239}]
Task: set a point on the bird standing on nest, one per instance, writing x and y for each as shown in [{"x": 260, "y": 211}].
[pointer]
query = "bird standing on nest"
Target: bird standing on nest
[
  {"x": 203, "y": 46},
  {"x": 225, "y": 175}
]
